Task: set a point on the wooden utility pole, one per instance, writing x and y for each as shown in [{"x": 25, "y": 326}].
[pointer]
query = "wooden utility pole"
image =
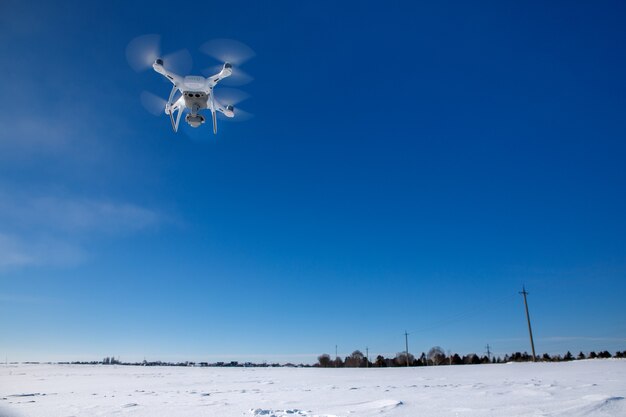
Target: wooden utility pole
[
  {"x": 488, "y": 352},
  {"x": 367, "y": 357},
  {"x": 530, "y": 330},
  {"x": 406, "y": 344}
]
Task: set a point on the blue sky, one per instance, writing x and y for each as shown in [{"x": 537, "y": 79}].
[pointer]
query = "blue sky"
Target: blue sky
[{"x": 409, "y": 167}]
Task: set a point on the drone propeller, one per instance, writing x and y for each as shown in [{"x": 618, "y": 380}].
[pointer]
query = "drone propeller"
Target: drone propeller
[
  {"x": 240, "y": 116},
  {"x": 153, "y": 103},
  {"x": 228, "y": 50},
  {"x": 142, "y": 51},
  {"x": 233, "y": 52},
  {"x": 231, "y": 97}
]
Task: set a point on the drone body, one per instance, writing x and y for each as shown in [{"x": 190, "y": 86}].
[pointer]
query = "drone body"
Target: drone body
[{"x": 196, "y": 94}]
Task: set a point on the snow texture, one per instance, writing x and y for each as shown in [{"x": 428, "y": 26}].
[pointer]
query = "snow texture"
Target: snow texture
[{"x": 583, "y": 388}]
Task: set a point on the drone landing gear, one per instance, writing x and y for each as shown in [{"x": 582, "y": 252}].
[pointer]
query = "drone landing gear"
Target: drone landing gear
[{"x": 176, "y": 122}]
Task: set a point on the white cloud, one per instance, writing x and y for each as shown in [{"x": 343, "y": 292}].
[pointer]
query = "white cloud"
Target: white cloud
[
  {"x": 71, "y": 215},
  {"x": 17, "y": 252},
  {"x": 12, "y": 252},
  {"x": 56, "y": 231}
]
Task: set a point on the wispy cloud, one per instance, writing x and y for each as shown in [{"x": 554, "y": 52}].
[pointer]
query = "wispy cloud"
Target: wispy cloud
[
  {"x": 50, "y": 230},
  {"x": 27, "y": 299},
  {"x": 75, "y": 215},
  {"x": 13, "y": 253},
  {"x": 54, "y": 151},
  {"x": 17, "y": 252}
]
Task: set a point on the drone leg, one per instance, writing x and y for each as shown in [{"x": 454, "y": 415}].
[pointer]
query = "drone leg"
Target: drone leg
[
  {"x": 214, "y": 122},
  {"x": 172, "y": 94},
  {"x": 180, "y": 113},
  {"x": 172, "y": 120}
]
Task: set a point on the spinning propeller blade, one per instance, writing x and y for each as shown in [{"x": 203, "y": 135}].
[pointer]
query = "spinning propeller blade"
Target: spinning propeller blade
[
  {"x": 228, "y": 50},
  {"x": 229, "y": 96},
  {"x": 240, "y": 116},
  {"x": 153, "y": 103},
  {"x": 142, "y": 51},
  {"x": 233, "y": 52}
]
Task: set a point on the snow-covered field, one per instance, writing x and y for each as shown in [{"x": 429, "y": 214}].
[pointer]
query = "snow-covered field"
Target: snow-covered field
[{"x": 582, "y": 388}]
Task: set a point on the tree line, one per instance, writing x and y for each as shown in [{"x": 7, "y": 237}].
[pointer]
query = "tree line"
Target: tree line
[{"x": 436, "y": 356}]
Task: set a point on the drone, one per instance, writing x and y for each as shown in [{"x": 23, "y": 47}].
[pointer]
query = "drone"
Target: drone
[
  {"x": 196, "y": 95},
  {"x": 191, "y": 94}
]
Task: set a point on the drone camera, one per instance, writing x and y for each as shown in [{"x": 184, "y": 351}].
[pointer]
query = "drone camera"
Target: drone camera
[
  {"x": 159, "y": 61},
  {"x": 195, "y": 120},
  {"x": 228, "y": 65}
]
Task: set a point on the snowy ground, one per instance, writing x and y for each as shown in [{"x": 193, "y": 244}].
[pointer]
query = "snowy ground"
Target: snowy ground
[{"x": 583, "y": 388}]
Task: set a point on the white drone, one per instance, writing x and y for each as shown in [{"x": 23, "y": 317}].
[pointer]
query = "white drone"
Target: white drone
[
  {"x": 192, "y": 93},
  {"x": 196, "y": 94}
]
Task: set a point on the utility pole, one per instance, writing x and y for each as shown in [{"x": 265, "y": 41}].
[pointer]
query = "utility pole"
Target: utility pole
[
  {"x": 367, "y": 357},
  {"x": 488, "y": 352},
  {"x": 406, "y": 344},
  {"x": 530, "y": 330}
]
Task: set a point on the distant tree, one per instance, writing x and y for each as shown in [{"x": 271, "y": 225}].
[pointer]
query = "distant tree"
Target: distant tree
[
  {"x": 324, "y": 360},
  {"x": 355, "y": 360},
  {"x": 592, "y": 355},
  {"x": 581, "y": 355},
  {"x": 604, "y": 355},
  {"x": 401, "y": 359},
  {"x": 436, "y": 355},
  {"x": 546, "y": 357},
  {"x": 380, "y": 362},
  {"x": 568, "y": 356},
  {"x": 619, "y": 354},
  {"x": 338, "y": 362},
  {"x": 456, "y": 359},
  {"x": 471, "y": 359}
]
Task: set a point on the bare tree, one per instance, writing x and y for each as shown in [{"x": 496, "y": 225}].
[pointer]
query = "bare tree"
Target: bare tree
[
  {"x": 436, "y": 355},
  {"x": 401, "y": 359},
  {"x": 324, "y": 360},
  {"x": 355, "y": 360}
]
